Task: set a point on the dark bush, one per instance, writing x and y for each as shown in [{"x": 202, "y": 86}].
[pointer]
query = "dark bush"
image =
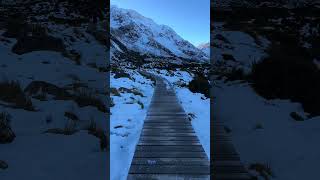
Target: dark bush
[
  {"x": 288, "y": 76},
  {"x": 71, "y": 115},
  {"x": 200, "y": 84},
  {"x": 228, "y": 57},
  {"x": 85, "y": 98},
  {"x": 296, "y": 116},
  {"x": 28, "y": 44},
  {"x": 6, "y": 133},
  {"x": 235, "y": 74},
  {"x": 11, "y": 92},
  {"x": 264, "y": 170},
  {"x": 14, "y": 26},
  {"x": 3, "y": 165},
  {"x": 35, "y": 86},
  {"x": 121, "y": 74}
]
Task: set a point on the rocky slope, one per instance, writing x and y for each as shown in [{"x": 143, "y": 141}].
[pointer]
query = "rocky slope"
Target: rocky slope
[{"x": 205, "y": 47}]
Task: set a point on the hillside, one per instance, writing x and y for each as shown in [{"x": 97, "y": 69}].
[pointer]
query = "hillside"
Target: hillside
[{"x": 132, "y": 31}]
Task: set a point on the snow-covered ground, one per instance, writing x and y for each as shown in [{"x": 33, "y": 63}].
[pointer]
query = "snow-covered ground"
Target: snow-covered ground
[
  {"x": 264, "y": 132},
  {"x": 237, "y": 48},
  {"x": 126, "y": 121},
  {"x": 37, "y": 155}
]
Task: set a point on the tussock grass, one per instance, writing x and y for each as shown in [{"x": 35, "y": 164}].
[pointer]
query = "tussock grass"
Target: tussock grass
[
  {"x": 263, "y": 169},
  {"x": 6, "y": 133},
  {"x": 12, "y": 92}
]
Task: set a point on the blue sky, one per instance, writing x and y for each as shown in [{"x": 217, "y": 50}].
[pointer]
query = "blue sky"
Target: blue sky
[{"x": 189, "y": 18}]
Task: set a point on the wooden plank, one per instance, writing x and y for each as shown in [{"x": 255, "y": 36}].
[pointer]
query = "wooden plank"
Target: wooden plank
[
  {"x": 147, "y": 126},
  {"x": 169, "y": 169},
  {"x": 170, "y": 148},
  {"x": 172, "y": 154},
  {"x": 168, "y": 143},
  {"x": 167, "y": 177},
  {"x": 168, "y": 138},
  {"x": 168, "y": 127},
  {"x": 173, "y": 134},
  {"x": 169, "y": 119},
  {"x": 171, "y": 161},
  {"x": 168, "y": 130},
  {"x": 182, "y": 114},
  {"x": 165, "y": 123}
]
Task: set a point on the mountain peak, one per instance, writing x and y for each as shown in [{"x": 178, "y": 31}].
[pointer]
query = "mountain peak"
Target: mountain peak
[{"x": 143, "y": 35}]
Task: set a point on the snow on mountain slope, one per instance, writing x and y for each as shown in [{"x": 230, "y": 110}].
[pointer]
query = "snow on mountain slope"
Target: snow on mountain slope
[
  {"x": 205, "y": 47},
  {"x": 143, "y": 35}
]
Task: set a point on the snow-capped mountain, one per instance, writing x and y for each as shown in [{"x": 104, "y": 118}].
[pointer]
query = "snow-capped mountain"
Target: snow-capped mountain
[
  {"x": 205, "y": 47},
  {"x": 132, "y": 31},
  {"x": 227, "y": 4}
]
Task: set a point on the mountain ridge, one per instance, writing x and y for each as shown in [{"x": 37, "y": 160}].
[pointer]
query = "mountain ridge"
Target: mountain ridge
[{"x": 143, "y": 35}]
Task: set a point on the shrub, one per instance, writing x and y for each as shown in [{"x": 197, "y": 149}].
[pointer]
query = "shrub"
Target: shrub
[
  {"x": 288, "y": 76},
  {"x": 3, "y": 165},
  {"x": 14, "y": 26},
  {"x": 42, "y": 96},
  {"x": 11, "y": 92},
  {"x": 86, "y": 98},
  {"x": 44, "y": 87},
  {"x": 148, "y": 76},
  {"x": 92, "y": 125},
  {"x": 228, "y": 57},
  {"x": 263, "y": 169},
  {"x": 74, "y": 56},
  {"x": 111, "y": 104},
  {"x": 296, "y": 116},
  {"x": 200, "y": 84},
  {"x": 141, "y": 104},
  {"x": 133, "y": 91},
  {"x": 121, "y": 74},
  {"x": 114, "y": 92},
  {"x": 99, "y": 133},
  {"x": 26, "y": 44},
  {"x": 235, "y": 74},
  {"x": 69, "y": 129},
  {"x": 6, "y": 133},
  {"x": 258, "y": 126},
  {"x": 71, "y": 115},
  {"x": 227, "y": 129}
]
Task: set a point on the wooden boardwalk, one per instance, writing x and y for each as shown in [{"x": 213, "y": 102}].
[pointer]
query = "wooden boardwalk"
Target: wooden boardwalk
[
  {"x": 168, "y": 147},
  {"x": 225, "y": 161}
]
